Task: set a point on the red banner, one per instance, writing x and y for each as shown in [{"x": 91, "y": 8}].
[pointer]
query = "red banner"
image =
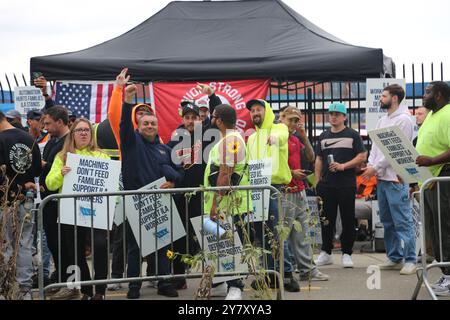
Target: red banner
[{"x": 168, "y": 96}]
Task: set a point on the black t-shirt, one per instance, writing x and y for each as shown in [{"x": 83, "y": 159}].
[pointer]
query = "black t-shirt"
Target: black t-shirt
[
  {"x": 51, "y": 149},
  {"x": 344, "y": 146},
  {"x": 22, "y": 158}
]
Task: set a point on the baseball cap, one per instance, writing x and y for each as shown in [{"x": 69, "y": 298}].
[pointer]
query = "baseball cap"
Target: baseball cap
[
  {"x": 34, "y": 115},
  {"x": 337, "y": 107},
  {"x": 203, "y": 106},
  {"x": 71, "y": 114},
  {"x": 188, "y": 106},
  {"x": 250, "y": 103},
  {"x": 291, "y": 112},
  {"x": 11, "y": 114}
]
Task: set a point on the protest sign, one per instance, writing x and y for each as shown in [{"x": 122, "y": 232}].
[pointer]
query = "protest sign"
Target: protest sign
[
  {"x": 28, "y": 98},
  {"x": 400, "y": 153},
  {"x": 156, "y": 220},
  {"x": 119, "y": 211},
  {"x": 260, "y": 174},
  {"x": 228, "y": 251},
  {"x": 89, "y": 175},
  {"x": 315, "y": 231},
  {"x": 374, "y": 89}
]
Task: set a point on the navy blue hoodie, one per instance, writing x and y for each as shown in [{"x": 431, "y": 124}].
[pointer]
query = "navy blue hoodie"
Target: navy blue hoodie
[{"x": 143, "y": 161}]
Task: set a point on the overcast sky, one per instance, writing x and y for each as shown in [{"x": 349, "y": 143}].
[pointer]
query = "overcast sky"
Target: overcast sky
[{"x": 408, "y": 31}]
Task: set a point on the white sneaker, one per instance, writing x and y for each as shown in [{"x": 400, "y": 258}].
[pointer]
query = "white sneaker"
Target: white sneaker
[
  {"x": 391, "y": 265},
  {"x": 220, "y": 290},
  {"x": 408, "y": 268},
  {"x": 347, "y": 261},
  {"x": 66, "y": 294},
  {"x": 114, "y": 286},
  {"x": 234, "y": 294},
  {"x": 316, "y": 275},
  {"x": 324, "y": 259},
  {"x": 442, "y": 286}
]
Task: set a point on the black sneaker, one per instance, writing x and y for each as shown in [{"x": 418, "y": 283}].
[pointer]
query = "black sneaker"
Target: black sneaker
[
  {"x": 168, "y": 291},
  {"x": 270, "y": 279},
  {"x": 291, "y": 285},
  {"x": 133, "y": 293},
  {"x": 180, "y": 284}
]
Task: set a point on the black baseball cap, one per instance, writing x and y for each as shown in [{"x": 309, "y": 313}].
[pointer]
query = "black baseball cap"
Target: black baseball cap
[
  {"x": 188, "y": 106},
  {"x": 250, "y": 103},
  {"x": 34, "y": 115}
]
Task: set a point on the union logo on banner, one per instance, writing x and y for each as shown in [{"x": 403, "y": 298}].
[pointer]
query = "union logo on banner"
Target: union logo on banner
[{"x": 168, "y": 97}]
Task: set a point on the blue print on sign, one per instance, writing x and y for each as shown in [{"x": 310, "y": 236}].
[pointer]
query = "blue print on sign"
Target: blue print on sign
[
  {"x": 162, "y": 233},
  {"x": 87, "y": 212},
  {"x": 412, "y": 171},
  {"x": 228, "y": 265}
]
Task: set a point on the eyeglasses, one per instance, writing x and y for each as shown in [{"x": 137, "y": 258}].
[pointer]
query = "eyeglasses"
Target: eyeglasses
[{"x": 82, "y": 130}]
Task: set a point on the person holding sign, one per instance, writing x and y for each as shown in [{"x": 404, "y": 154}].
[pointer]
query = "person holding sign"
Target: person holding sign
[
  {"x": 188, "y": 149},
  {"x": 270, "y": 141},
  {"x": 144, "y": 160},
  {"x": 81, "y": 141},
  {"x": 392, "y": 192},
  {"x": 433, "y": 145},
  {"x": 227, "y": 167},
  {"x": 339, "y": 151}
]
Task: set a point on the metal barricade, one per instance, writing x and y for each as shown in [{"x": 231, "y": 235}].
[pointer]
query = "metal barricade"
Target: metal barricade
[
  {"x": 140, "y": 193},
  {"x": 422, "y": 272}
]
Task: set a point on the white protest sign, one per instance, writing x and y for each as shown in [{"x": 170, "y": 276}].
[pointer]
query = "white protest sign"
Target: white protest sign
[
  {"x": 400, "y": 153},
  {"x": 229, "y": 253},
  {"x": 89, "y": 175},
  {"x": 260, "y": 174},
  {"x": 155, "y": 218},
  {"x": 119, "y": 212},
  {"x": 28, "y": 98},
  {"x": 374, "y": 89},
  {"x": 315, "y": 232}
]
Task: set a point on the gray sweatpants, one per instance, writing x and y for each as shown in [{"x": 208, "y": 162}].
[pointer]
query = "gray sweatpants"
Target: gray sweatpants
[
  {"x": 24, "y": 262},
  {"x": 294, "y": 207}
]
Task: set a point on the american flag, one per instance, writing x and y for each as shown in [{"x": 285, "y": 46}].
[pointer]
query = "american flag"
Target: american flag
[{"x": 86, "y": 99}]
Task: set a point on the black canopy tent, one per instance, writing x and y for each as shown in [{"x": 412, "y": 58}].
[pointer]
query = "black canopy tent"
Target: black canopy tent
[{"x": 198, "y": 40}]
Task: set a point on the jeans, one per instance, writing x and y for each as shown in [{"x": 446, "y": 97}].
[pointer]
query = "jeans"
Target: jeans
[
  {"x": 271, "y": 223},
  {"x": 46, "y": 254},
  {"x": 134, "y": 260},
  {"x": 397, "y": 219},
  {"x": 117, "y": 264},
  {"x": 99, "y": 256},
  {"x": 24, "y": 261},
  {"x": 295, "y": 207}
]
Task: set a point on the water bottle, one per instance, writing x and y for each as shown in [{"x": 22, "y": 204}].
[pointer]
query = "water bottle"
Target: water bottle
[
  {"x": 330, "y": 159},
  {"x": 29, "y": 200}
]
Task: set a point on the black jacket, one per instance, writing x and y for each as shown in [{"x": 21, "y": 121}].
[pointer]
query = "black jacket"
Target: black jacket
[
  {"x": 143, "y": 161},
  {"x": 51, "y": 149}
]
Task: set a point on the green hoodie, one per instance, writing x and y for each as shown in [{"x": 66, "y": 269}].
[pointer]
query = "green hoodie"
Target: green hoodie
[{"x": 259, "y": 148}]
